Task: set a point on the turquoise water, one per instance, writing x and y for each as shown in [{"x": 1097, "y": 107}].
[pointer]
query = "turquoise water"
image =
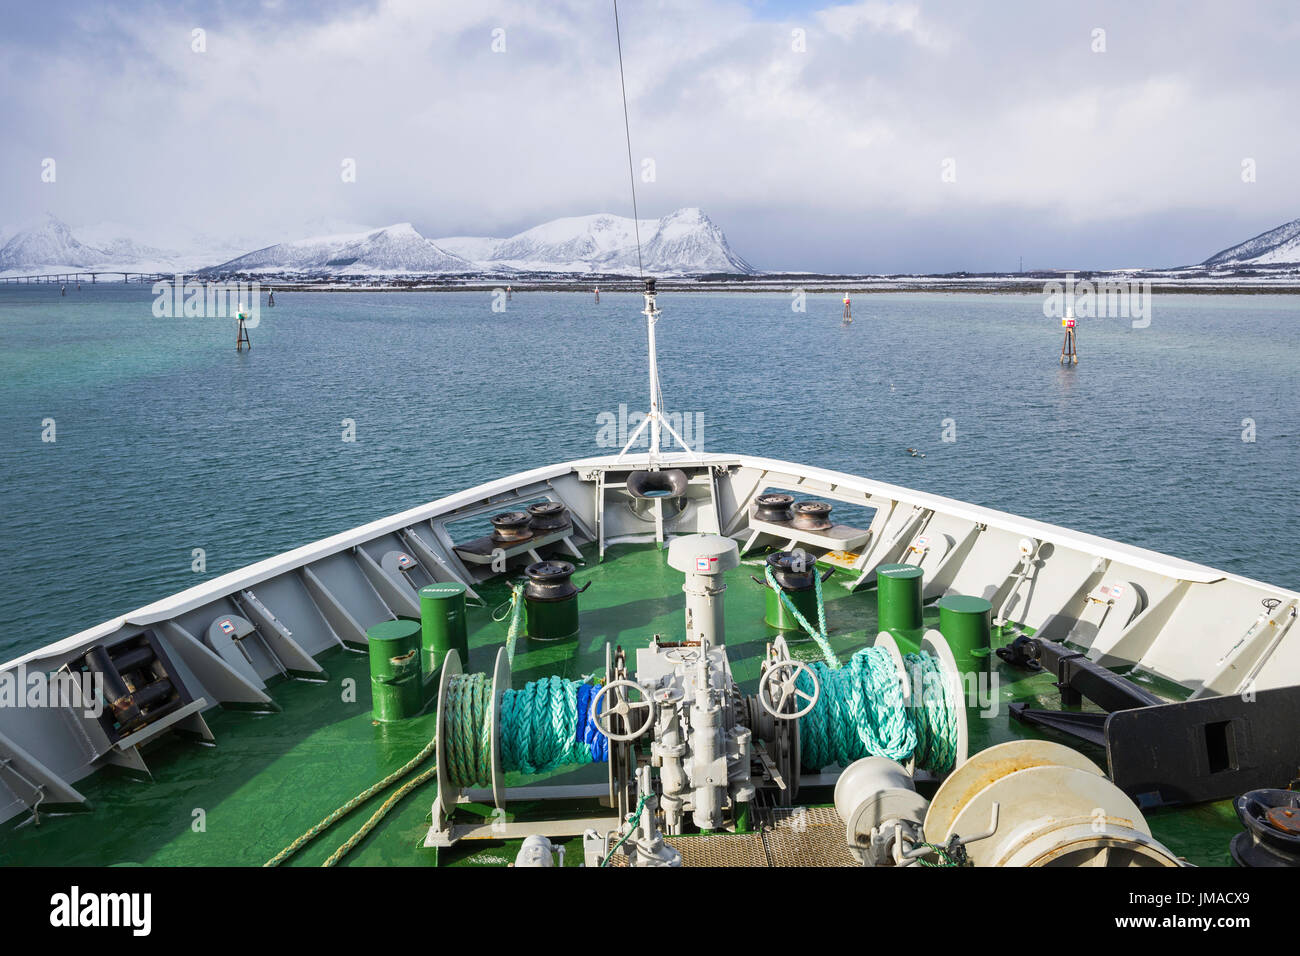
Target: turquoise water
[{"x": 168, "y": 440}]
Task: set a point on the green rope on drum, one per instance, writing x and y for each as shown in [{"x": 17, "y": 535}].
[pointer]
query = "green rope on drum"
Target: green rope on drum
[
  {"x": 469, "y": 735},
  {"x": 543, "y": 726},
  {"x": 860, "y": 712},
  {"x": 933, "y": 713}
]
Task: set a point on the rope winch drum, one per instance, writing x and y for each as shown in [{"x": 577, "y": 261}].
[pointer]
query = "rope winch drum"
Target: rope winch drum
[
  {"x": 485, "y": 728},
  {"x": 447, "y": 791},
  {"x": 1055, "y": 808},
  {"x": 882, "y": 703}
]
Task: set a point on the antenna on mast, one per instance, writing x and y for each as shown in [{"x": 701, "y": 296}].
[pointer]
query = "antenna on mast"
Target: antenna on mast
[{"x": 655, "y": 417}]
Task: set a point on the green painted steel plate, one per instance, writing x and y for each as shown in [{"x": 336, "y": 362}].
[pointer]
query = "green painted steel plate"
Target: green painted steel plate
[
  {"x": 899, "y": 571},
  {"x": 964, "y": 604}
]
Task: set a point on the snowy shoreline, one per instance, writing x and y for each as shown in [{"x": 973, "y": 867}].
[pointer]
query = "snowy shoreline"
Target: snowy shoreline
[{"x": 783, "y": 284}]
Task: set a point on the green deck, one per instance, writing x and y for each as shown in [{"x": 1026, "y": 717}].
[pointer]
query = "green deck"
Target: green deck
[{"x": 271, "y": 776}]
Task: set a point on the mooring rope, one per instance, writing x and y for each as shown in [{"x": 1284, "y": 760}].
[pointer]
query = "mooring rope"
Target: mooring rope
[
  {"x": 860, "y": 712},
  {"x": 933, "y": 713},
  {"x": 545, "y": 725},
  {"x": 633, "y": 819},
  {"x": 819, "y": 633},
  {"x": 379, "y": 814},
  {"x": 469, "y": 741},
  {"x": 516, "y": 613},
  {"x": 355, "y": 802}
]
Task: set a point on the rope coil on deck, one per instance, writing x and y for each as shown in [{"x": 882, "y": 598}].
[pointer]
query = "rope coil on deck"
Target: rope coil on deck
[
  {"x": 861, "y": 712},
  {"x": 544, "y": 726}
]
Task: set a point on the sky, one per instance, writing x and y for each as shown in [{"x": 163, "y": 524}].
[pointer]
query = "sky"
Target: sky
[{"x": 860, "y": 137}]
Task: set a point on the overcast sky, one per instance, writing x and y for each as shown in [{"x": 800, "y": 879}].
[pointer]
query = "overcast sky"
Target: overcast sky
[{"x": 826, "y": 154}]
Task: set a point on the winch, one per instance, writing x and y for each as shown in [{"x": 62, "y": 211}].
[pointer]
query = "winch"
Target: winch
[
  {"x": 551, "y": 601},
  {"x": 682, "y": 743},
  {"x": 1021, "y": 803},
  {"x": 687, "y": 751},
  {"x": 1272, "y": 834},
  {"x": 700, "y": 742},
  {"x": 794, "y": 573}
]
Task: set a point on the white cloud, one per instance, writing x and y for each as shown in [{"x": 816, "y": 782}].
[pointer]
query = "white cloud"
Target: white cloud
[
  {"x": 846, "y": 137},
  {"x": 846, "y": 20}
]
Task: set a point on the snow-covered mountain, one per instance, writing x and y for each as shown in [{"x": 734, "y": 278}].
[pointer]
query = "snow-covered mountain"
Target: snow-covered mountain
[
  {"x": 1280, "y": 246},
  {"x": 120, "y": 243},
  {"x": 682, "y": 243},
  {"x": 685, "y": 242},
  {"x": 392, "y": 249},
  {"x": 689, "y": 241},
  {"x": 47, "y": 243}
]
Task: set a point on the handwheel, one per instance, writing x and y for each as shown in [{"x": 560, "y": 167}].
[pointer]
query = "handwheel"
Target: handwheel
[
  {"x": 623, "y": 707},
  {"x": 779, "y": 681}
]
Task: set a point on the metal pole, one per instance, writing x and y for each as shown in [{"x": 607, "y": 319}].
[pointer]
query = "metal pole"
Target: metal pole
[{"x": 651, "y": 313}]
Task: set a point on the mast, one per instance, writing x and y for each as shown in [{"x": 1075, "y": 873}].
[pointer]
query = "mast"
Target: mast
[
  {"x": 651, "y": 313},
  {"x": 655, "y": 417}
]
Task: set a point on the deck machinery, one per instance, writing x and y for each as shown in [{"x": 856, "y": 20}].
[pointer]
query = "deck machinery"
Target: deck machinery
[{"x": 691, "y": 755}]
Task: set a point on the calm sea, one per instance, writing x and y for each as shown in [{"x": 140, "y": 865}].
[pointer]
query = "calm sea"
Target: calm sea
[{"x": 167, "y": 440}]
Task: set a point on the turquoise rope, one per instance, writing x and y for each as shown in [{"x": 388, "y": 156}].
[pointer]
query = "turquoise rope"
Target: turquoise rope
[
  {"x": 538, "y": 732},
  {"x": 819, "y": 633},
  {"x": 933, "y": 713},
  {"x": 539, "y": 727},
  {"x": 860, "y": 713},
  {"x": 516, "y": 612}
]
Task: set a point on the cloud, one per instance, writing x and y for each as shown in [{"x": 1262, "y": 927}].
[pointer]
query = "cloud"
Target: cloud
[
  {"x": 834, "y": 151},
  {"x": 901, "y": 18}
]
